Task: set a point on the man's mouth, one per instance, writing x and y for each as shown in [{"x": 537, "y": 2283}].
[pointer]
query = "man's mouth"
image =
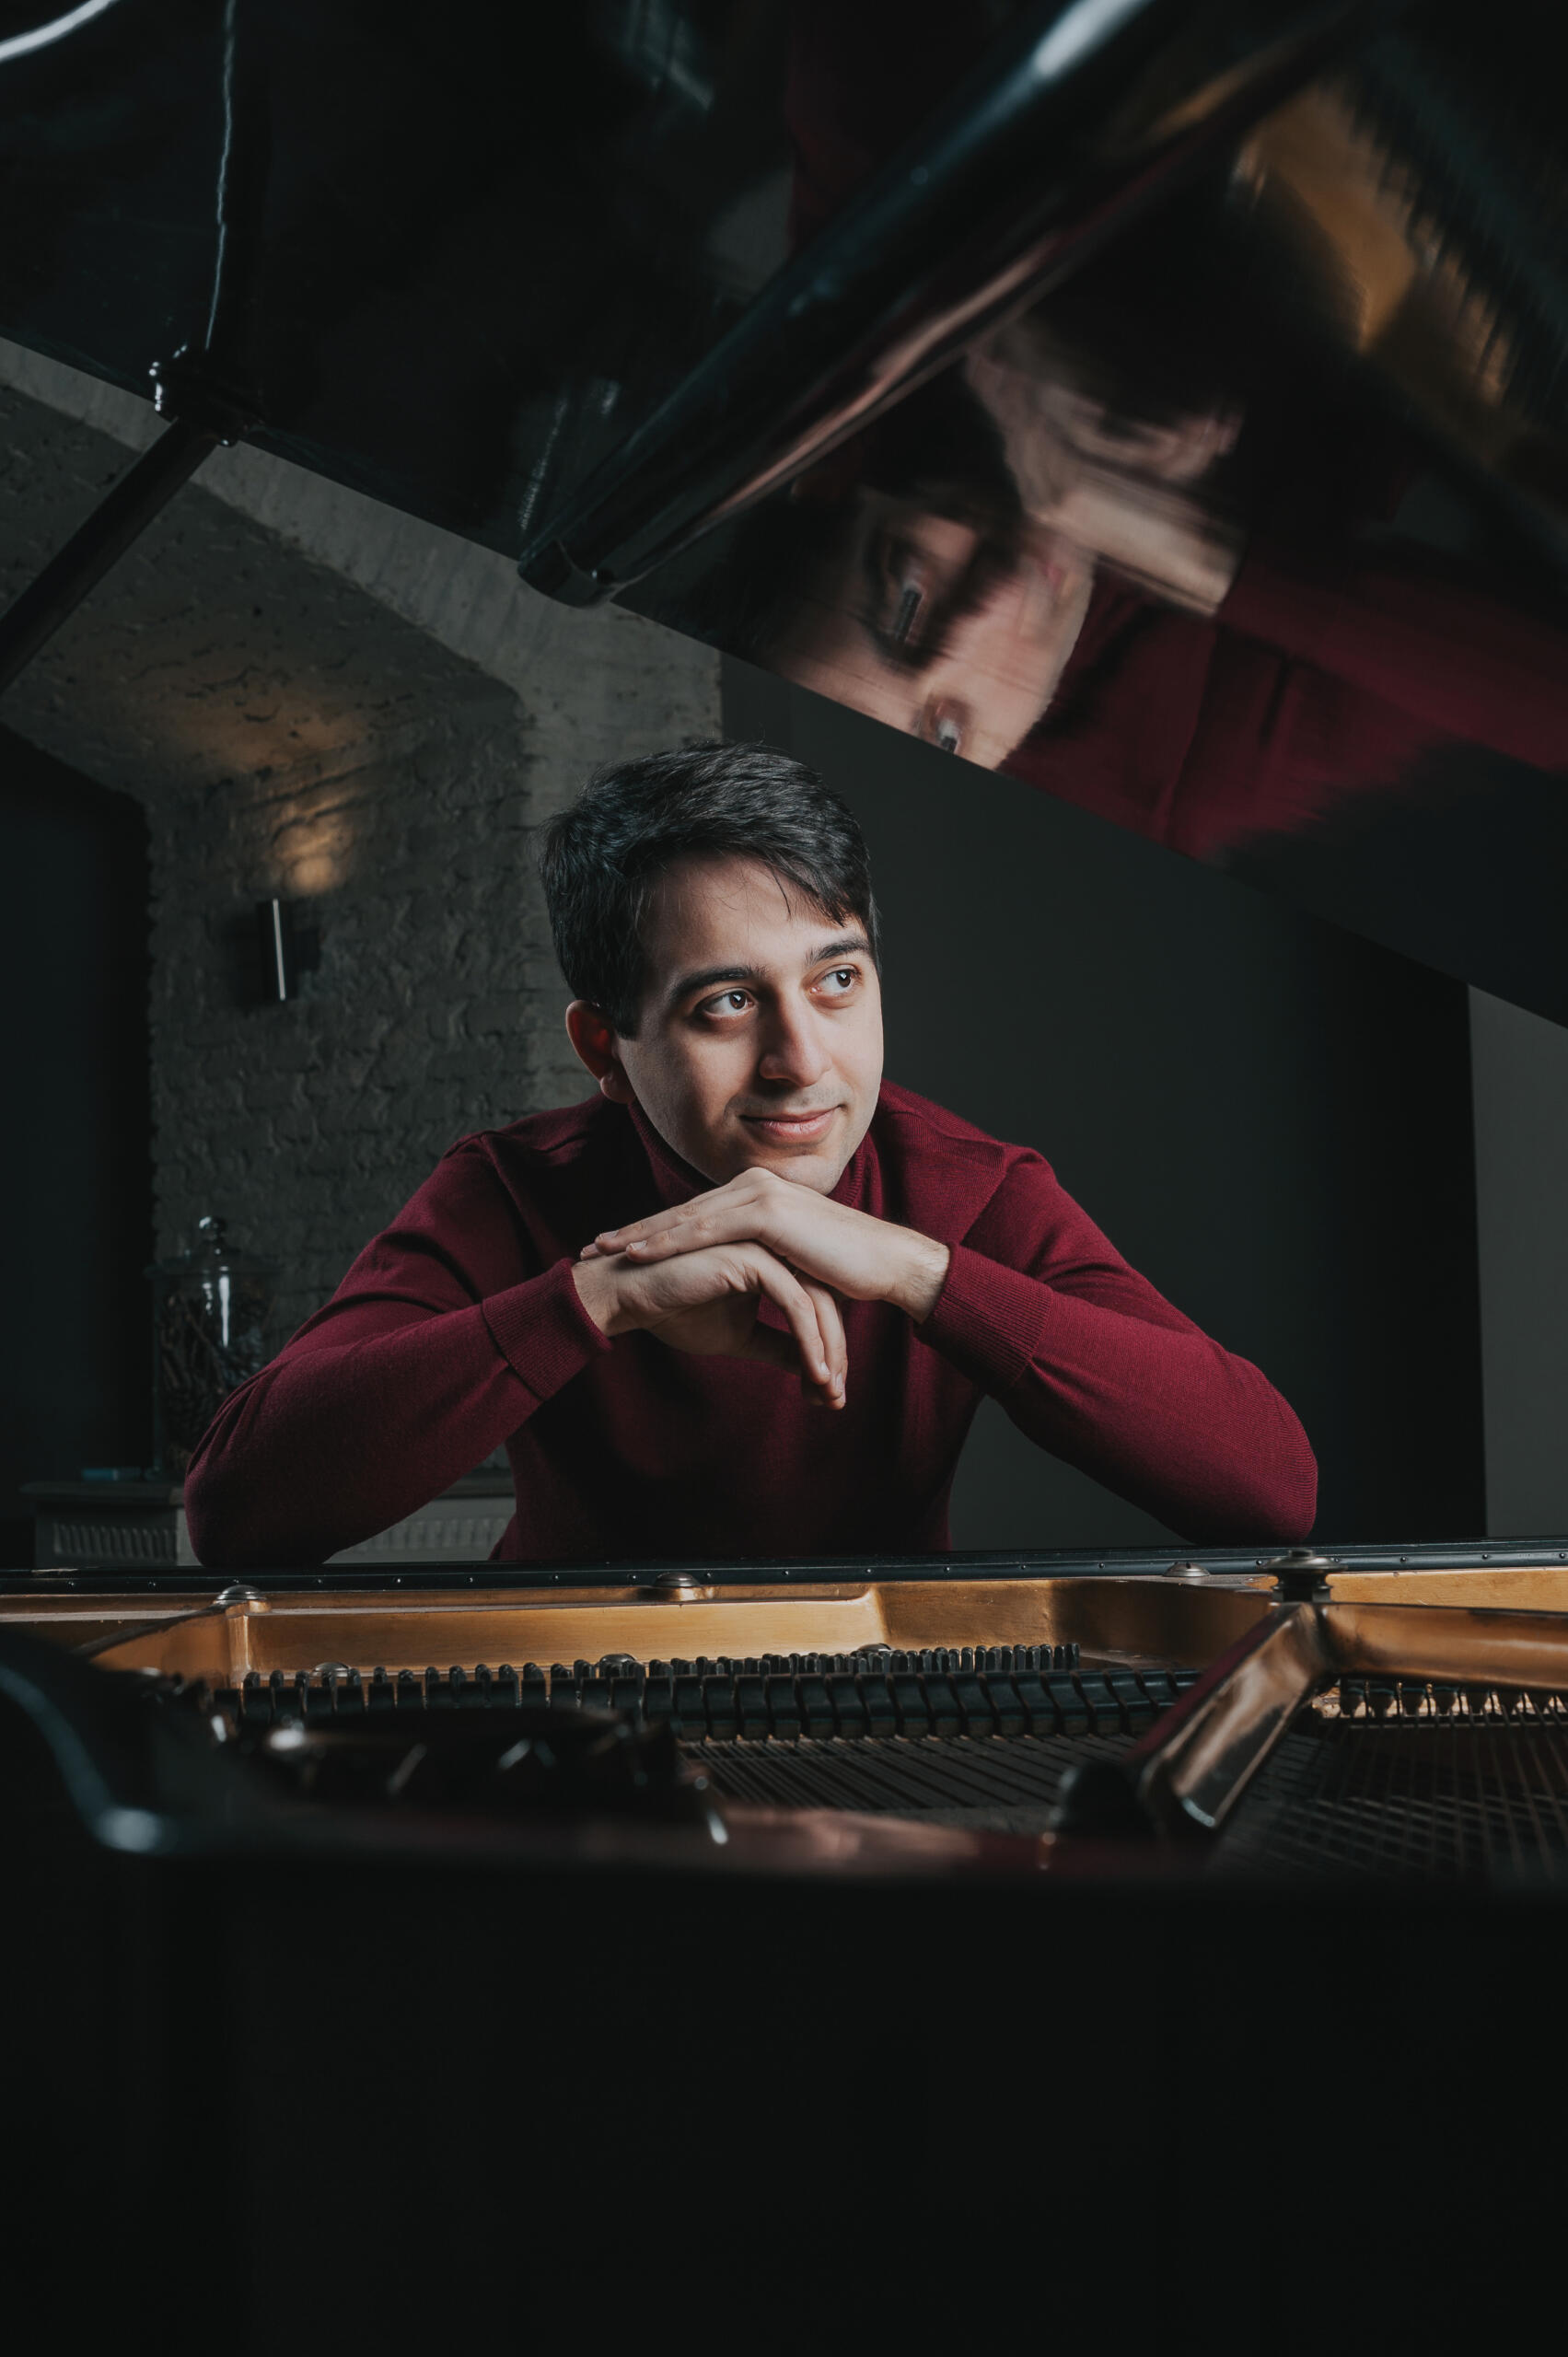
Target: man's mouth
[{"x": 791, "y": 1129}]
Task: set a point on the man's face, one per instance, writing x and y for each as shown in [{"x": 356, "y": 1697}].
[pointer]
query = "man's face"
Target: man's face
[
  {"x": 759, "y": 1042},
  {"x": 912, "y": 624}
]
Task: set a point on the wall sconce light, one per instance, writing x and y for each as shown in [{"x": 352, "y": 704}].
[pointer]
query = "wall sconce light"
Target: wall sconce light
[{"x": 287, "y": 950}]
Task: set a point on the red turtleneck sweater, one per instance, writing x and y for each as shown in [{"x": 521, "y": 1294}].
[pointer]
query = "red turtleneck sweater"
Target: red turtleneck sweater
[
  {"x": 461, "y": 1328},
  {"x": 1321, "y": 676}
]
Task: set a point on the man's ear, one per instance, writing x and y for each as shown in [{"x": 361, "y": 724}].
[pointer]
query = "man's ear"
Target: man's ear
[{"x": 596, "y": 1043}]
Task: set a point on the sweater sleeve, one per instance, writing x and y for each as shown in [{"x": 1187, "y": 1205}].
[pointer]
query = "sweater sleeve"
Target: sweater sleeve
[
  {"x": 1094, "y": 1364},
  {"x": 1415, "y": 629},
  {"x": 1322, "y": 678},
  {"x": 444, "y": 1337}
]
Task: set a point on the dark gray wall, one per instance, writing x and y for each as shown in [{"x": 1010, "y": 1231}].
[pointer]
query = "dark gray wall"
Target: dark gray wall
[
  {"x": 76, "y": 1177},
  {"x": 1269, "y": 1117},
  {"x": 1520, "y": 1064}
]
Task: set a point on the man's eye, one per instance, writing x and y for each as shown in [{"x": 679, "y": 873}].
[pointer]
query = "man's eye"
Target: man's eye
[
  {"x": 944, "y": 722},
  {"x": 728, "y": 1003},
  {"x": 904, "y": 587},
  {"x": 912, "y": 597},
  {"x": 845, "y": 977}
]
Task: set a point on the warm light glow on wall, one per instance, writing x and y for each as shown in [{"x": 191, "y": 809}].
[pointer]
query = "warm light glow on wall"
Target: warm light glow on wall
[{"x": 315, "y": 850}]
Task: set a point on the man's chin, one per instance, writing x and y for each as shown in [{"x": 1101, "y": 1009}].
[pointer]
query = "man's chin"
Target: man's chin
[
  {"x": 821, "y": 1172},
  {"x": 818, "y": 1163}
]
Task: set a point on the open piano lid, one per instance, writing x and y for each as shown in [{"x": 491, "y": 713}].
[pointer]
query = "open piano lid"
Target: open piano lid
[{"x": 1166, "y": 404}]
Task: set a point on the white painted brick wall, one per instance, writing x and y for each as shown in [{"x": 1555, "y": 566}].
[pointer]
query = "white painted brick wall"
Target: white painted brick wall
[{"x": 315, "y": 695}]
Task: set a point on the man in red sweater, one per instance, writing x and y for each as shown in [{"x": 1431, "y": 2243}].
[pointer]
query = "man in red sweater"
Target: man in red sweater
[{"x": 746, "y": 1300}]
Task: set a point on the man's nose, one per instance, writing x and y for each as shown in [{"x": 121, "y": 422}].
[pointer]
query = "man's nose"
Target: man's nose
[{"x": 793, "y": 1050}]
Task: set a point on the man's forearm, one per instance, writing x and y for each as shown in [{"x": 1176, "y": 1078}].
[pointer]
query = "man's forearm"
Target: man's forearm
[
  {"x": 350, "y": 1428},
  {"x": 1152, "y": 1406}
]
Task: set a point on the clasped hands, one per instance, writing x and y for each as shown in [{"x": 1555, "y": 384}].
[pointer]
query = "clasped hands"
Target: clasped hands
[{"x": 697, "y": 1276}]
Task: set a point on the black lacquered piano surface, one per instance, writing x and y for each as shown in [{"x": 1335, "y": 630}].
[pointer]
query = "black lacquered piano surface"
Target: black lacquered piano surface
[
  {"x": 962, "y": 1928},
  {"x": 961, "y": 1923}
]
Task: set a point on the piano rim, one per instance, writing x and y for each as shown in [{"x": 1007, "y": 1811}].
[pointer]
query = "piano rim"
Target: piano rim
[
  {"x": 1263, "y": 1660},
  {"x": 1134, "y": 1608}
]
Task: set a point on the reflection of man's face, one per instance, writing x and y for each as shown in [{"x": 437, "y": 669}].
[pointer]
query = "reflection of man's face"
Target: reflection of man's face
[{"x": 922, "y": 621}]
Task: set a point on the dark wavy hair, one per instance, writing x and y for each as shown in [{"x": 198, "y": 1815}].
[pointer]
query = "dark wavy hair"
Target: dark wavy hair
[{"x": 602, "y": 857}]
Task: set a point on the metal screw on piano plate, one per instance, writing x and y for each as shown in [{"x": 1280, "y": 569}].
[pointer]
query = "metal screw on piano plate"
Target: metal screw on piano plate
[
  {"x": 238, "y": 1594},
  {"x": 1185, "y": 1571},
  {"x": 1301, "y": 1575}
]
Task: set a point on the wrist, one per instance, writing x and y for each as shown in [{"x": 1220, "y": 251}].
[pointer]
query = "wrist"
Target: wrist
[
  {"x": 600, "y": 1291},
  {"x": 922, "y": 1276}
]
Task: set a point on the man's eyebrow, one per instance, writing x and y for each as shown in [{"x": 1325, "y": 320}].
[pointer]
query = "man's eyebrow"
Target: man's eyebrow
[
  {"x": 705, "y": 977},
  {"x": 846, "y": 945}
]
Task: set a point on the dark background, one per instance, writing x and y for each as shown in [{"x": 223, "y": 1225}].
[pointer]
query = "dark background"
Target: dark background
[
  {"x": 75, "y": 1177},
  {"x": 1272, "y": 1117}
]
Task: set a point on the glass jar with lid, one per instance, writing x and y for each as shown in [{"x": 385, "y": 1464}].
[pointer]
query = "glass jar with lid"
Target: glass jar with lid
[{"x": 210, "y": 1308}]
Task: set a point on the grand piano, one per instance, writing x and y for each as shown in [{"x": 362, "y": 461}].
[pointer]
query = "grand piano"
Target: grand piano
[{"x": 1044, "y": 382}]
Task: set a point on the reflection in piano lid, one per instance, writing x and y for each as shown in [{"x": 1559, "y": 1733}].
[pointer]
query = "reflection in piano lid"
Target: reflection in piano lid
[
  {"x": 1160, "y": 405},
  {"x": 1249, "y": 533}
]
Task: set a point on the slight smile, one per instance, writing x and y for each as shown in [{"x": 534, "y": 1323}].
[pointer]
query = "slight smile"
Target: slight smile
[{"x": 791, "y": 1129}]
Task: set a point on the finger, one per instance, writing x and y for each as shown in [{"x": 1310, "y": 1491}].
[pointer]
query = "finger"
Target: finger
[
  {"x": 690, "y": 1235},
  {"x": 830, "y": 1326},
  {"x": 693, "y": 1228},
  {"x": 830, "y": 1333},
  {"x": 636, "y": 1231},
  {"x": 617, "y": 1239},
  {"x": 616, "y": 1242},
  {"x": 658, "y": 1248},
  {"x": 787, "y": 1292},
  {"x": 727, "y": 1215},
  {"x": 773, "y": 1349}
]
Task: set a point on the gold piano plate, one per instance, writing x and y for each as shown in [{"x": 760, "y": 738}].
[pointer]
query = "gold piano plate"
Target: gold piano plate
[{"x": 1182, "y": 1621}]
